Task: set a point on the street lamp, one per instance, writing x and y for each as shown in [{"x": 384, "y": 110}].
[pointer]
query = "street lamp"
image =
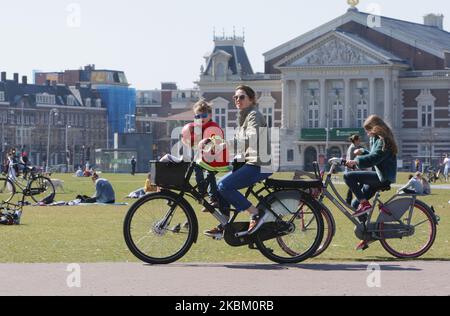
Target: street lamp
[
  {"x": 67, "y": 148},
  {"x": 53, "y": 112}
]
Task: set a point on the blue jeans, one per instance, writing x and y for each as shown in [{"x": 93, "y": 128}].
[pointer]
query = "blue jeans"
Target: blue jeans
[
  {"x": 230, "y": 185},
  {"x": 208, "y": 183},
  {"x": 364, "y": 184}
]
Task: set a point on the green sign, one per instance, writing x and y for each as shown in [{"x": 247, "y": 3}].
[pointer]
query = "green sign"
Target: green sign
[{"x": 335, "y": 134}]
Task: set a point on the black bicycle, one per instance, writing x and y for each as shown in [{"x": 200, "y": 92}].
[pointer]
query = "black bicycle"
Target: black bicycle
[
  {"x": 161, "y": 227},
  {"x": 31, "y": 183}
]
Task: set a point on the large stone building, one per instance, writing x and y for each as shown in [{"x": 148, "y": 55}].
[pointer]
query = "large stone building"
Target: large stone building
[
  {"x": 67, "y": 121},
  {"x": 321, "y": 86}
]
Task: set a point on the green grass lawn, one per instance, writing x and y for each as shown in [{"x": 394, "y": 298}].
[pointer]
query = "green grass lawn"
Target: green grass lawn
[{"x": 94, "y": 233}]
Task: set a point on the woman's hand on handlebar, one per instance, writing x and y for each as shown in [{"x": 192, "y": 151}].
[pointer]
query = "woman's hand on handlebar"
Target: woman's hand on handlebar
[{"x": 352, "y": 164}]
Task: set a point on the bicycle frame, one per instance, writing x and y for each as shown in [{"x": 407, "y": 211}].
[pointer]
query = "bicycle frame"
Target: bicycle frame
[
  {"x": 346, "y": 209},
  {"x": 224, "y": 221}
]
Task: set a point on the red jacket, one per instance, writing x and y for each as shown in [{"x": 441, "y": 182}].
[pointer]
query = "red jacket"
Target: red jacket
[{"x": 212, "y": 129}]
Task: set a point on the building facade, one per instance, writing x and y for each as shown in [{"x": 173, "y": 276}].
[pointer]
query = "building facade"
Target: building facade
[
  {"x": 160, "y": 111},
  {"x": 117, "y": 96},
  {"x": 321, "y": 86},
  {"x": 69, "y": 122}
]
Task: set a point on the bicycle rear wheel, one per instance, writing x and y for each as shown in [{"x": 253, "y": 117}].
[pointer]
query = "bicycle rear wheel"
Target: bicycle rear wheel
[
  {"x": 7, "y": 190},
  {"x": 41, "y": 188},
  {"x": 328, "y": 233},
  {"x": 421, "y": 236},
  {"x": 302, "y": 242},
  {"x": 160, "y": 229}
]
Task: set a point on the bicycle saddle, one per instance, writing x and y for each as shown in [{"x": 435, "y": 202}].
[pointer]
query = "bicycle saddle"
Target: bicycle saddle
[{"x": 294, "y": 184}]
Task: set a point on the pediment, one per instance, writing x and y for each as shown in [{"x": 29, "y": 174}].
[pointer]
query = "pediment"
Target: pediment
[{"x": 333, "y": 50}]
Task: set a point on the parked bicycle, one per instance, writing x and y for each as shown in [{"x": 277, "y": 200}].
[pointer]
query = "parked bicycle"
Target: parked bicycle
[
  {"x": 30, "y": 184},
  {"x": 161, "y": 227},
  {"x": 406, "y": 227}
]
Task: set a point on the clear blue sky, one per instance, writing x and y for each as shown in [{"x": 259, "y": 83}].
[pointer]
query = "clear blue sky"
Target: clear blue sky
[{"x": 164, "y": 40}]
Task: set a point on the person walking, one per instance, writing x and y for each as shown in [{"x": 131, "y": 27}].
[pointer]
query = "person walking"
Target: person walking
[
  {"x": 446, "y": 164},
  {"x": 133, "y": 166}
]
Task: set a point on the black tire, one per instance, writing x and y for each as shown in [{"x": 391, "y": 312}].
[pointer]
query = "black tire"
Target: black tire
[
  {"x": 329, "y": 232},
  {"x": 7, "y": 190},
  {"x": 291, "y": 255},
  {"x": 41, "y": 188},
  {"x": 393, "y": 247},
  {"x": 165, "y": 197}
]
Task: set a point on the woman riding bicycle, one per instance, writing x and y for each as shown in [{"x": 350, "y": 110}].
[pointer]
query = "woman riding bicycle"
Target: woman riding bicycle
[
  {"x": 382, "y": 157},
  {"x": 251, "y": 123}
]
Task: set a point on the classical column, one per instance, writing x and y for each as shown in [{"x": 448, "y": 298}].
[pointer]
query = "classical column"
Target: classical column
[
  {"x": 323, "y": 106},
  {"x": 285, "y": 104},
  {"x": 299, "y": 108},
  {"x": 348, "y": 106},
  {"x": 372, "y": 94},
  {"x": 388, "y": 100}
]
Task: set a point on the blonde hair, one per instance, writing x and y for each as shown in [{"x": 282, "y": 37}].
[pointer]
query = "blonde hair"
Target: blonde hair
[
  {"x": 380, "y": 128},
  {"x": 202, "y": 107}
]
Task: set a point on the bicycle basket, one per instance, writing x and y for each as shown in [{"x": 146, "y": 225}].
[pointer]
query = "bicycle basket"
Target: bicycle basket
[{"x": 169, "y": 175}]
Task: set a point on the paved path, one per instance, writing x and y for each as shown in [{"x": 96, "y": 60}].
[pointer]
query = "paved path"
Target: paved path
[{"x": 396, "y": 278}]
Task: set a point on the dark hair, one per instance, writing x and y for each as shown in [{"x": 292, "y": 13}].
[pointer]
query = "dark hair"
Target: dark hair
[
  {"x": 354, "y": 138},
  {"x": 249, "y": 92}
]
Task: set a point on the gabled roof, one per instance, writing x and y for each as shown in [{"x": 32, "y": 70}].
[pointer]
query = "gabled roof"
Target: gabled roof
[
  {"x": 352, "y": 50},
  {"x": 426, "y": 38},
  {"x": 238, "y": 56}
]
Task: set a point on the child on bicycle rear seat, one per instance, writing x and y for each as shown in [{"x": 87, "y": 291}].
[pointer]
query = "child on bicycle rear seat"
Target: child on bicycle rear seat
[{"x": 210, "y": 160}]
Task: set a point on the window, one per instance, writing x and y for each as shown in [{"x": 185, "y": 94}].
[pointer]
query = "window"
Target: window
[
  {"x": 45, "y": 99},
  {"x": 71, "y": 100},
  {"x": 98, "y": 103},
  {"x": 290, "y": 155},
  {"x": 425, "y": 103},
  {"x": 362, "y": 113},
  {"x": 338, "y": 114},
  {"x": 88, "y": 102},
  {"x": 220, "y": 117},
  {"x": 268, "y": 115},
  {"x": 2, "y": 96},
  {"x": 313, "y": 114},
  {"x": 427, "y": 115}
]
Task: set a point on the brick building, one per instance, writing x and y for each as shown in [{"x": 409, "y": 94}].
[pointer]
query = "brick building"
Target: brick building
[{"x": 74, "y": 115}]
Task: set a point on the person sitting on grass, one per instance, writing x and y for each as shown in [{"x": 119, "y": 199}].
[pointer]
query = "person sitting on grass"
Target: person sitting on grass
[
  {"x": 149, "y": 186},
  {"x": 104, "y": 192},
  {"x": 414, "y": 186}
]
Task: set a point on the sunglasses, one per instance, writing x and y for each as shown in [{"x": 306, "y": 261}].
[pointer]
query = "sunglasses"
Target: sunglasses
[
  {"x": 240, "y": 97},
  {"x": 201, "y": 116}
]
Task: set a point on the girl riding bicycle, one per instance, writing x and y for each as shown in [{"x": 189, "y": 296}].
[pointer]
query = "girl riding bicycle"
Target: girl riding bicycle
[{"x": 382, "y": 157}]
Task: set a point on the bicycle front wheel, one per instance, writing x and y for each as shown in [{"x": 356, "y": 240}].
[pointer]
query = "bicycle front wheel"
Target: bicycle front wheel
[
  {"x": 160, "y": 229},
  {"x": 305, "y": 235},
  {"x": 7, "y": 190},
  {"x": 420, "y": 234},
  {"x": 41, "y": 188}
]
